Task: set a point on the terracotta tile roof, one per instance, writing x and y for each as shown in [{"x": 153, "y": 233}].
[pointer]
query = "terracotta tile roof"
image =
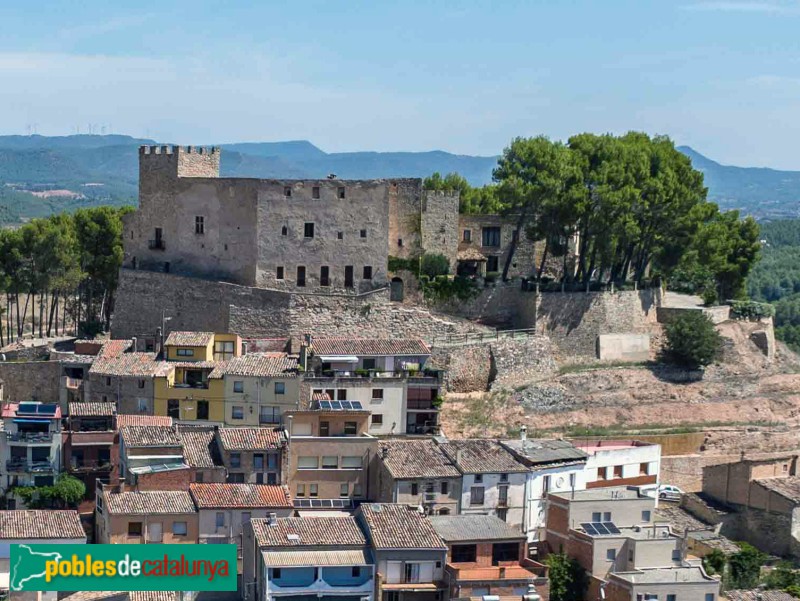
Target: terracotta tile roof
[
  {"x": 481, "y": 456},
  {"x": 92, "y": 409},
  {"x": 263, "y": 365},
  {"x": 123, "y": 596},
  {"x": 189, "y": 339},
  {"x": 240, "y": 495},
  {"x": 788, "y": 488},
  {"x": 114, "y": 348},
  {"x": 455, "y": 528},
  {"x": 127, "y": 364},
  {"x": 759, "y": 595},
  {"x": 370, "y": 346},
  {"x": 199, "y": 446},
  {"x": 150, "y": 436},
  {"x": 149, "y": 502},
  {"x": 416, "y": 459},
  {"x": 308, "y": 532},
  {"x": 393, "y": 526},
  {"x": 142, "y": 420},
  {"x": 33, "y": 524},
  {"x": 266, "y": 345},
  {"x": 251, "y": 438}
]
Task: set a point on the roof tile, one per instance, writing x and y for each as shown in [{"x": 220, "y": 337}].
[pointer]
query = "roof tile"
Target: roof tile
[
  {"x": 34, "y": 524},
  {"x": 189, "y": 339},
  {"x": 92, "y": 409},
  {"x": 370, "y": 346},
  {"x": 240, "y": 495},
  {"x": 308, "y": 532},
  {"x": 416, "y": 459},
  {"x": 149, "y": 502},
  {"x": 150, "y": 436},
  {"x": 481, "y": 456},
  {"x": 393, "y": 526},
  {"x": 262, "y": 365},
  {"x": 247, "y": 438}
]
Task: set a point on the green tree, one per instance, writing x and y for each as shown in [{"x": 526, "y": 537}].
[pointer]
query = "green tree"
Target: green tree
[
  {"x": 692, "y": 340},
  {"x": 714, "y": 562},
  {"x": 745, "y": 567},
  {"x": 783, "y": 576},
  {"x": 68, "y": 491},
  {"x": 433, "y": 265},
  {"x": 483, "y": 200},
  {"x": 568, "y": 579}
]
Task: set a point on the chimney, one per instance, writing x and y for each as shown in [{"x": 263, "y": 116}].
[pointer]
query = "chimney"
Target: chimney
[
  {"x": 272, "y": 520},
  {"x": 289, "y": 420},
  {"x": 384, "y": 452},
  {"x": 134, "y": 344},
  {"x": 458, "y": 456},
  {"x": 523, "y": 434}
]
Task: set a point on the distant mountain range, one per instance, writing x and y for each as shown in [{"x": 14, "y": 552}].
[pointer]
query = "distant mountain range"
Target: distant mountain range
[{"x": 40, "y": 174}]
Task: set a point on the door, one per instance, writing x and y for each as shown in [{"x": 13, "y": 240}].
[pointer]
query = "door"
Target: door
[
  {"x": 154, "y": 532},
  {"x": 202, "y": 409},
  {"x": 396, "y": 290},
  {"x": 348, "y": 276}
]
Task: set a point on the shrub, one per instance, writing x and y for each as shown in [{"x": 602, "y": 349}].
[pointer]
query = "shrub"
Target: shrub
[
  {"x": 751, "y": 310},
  {"x": 443, "y": 289},
  {"x": 434, "y": 265},
  {"x": 714, "y": 562},
  {"x": 745, "y": 567},
  {"x": 692, "y": 340},
  {"x": 710, "y": 296},
  {"x": 398, "y": 264}
]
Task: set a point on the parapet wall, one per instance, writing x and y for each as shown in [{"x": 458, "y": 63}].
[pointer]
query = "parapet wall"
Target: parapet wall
[{"x": 195, "y": 304}]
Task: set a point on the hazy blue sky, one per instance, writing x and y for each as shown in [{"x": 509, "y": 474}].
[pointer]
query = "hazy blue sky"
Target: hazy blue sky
[{"x": 721, "y": 76}]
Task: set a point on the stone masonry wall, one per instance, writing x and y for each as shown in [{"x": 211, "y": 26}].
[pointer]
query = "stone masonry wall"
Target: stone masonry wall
[
  {"x": 31, "y": 381},
  {"x": 196, "y": 304},
  {"x": 439, "y": 224},
  {"x": 469, "y": 368},
  {"x": 520, "y": 361}
]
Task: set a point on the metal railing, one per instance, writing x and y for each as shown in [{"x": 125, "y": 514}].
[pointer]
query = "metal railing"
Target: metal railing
[
  {"x": 157, "y": 244},
  {"x": 16, "y": 465},
  {"x": 43, "y": 437}
]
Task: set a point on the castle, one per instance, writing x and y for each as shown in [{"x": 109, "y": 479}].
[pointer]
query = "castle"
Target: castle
[{"x": 322, "y": 237}]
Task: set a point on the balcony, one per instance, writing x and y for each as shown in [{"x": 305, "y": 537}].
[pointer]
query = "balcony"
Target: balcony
[
  {"x": 89, "y": 465},
  {"x": 423, "y": 405},
  {"x": 466, "y": 572},
  {"x": 22, "y": 465},
  {"x": 429, "y": 429},
  {"x": 30, "y": 437},
  {"x": 157, "y": 244}
]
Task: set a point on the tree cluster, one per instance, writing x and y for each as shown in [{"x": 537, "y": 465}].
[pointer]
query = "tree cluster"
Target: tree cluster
[
  {"x": 633, "y": 206},
  {"x": 568, "y": 580},
  {"x": 64, "y": 266},
  {"x": 692, "y": 341},
  {"x": 67, "y": 492}
]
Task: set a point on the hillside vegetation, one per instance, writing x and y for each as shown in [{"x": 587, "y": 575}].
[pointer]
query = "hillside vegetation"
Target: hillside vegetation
[
  {"x": 776, "y": 278},
  {"x": 69, "y": 162}
]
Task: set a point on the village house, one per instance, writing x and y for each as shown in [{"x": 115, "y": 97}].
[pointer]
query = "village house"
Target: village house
[
  {"x": 36, "y": 527},
  {"x": 121, "y": 375},
  {"x": 486, "y": 556},
  {"x": 329, "y": 457},
  {"x": 409, "y": 555},
  {"x": 201, "y": 453},
  {"x": 620, "y": 462},
  {"x": 387, "y": 377},
  {"x": 611, "y": 532},
  {"x": 125, "y": 516},
  {"x": 151, "y": 458},
  {"x": 30, "y": 446},
  {"x": 493, "y": 480},
  {"x": 259, "y": 388},
  {"x": 484, "y": 244},
  {"x": 553, "y": 466},
  {"x": 253, "y": 455},
  {"x": 89, "y": 440},
  {"x": 419, "y": 473},
  {"x": 187, "y": 387},
  {"x": 224, "y": 509},
  {"x": 319, "y": 556},
  {"x": 764, "y": 495}
]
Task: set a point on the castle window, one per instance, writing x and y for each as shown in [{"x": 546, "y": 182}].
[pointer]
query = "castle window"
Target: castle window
[
  {"x": 279, "y": 272},
  {"x": 284, "y": 231},
  {"x": 363, "y": 233},
  {"x": 467, "y": 235},
  {"x": 400, "y": 242},
  {"x": 324, "y": 276},
  {"x": 341, "y": 192},
  {"x": 199, "y": 225},
  {"x": 315, "y": 192},
  {"x": 308, "y": 230},
  {"x": 301, "y": 275},
  {"x": 367, "y": 272},
  {"x": 491, "y": 236},
  {"x": 340, "y": 235},
  {"x": 287, "y": 191},
  {"x": 348, "y": 276}
]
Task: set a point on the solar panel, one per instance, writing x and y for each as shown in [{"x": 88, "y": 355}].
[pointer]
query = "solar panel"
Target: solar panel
[
  {"x": 316, "y": 503},
  {"x": 46, "y": 409},
  {"x": 611, "y": 527},
  {"x": 589, "y": 528},
  {"x": 325, "y": 404},
  {"x": 27, "y": 408},
  {"x": 357, "y": 405}
]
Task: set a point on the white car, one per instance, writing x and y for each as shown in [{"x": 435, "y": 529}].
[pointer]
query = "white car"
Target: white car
[{"x": 665, "y": 491}]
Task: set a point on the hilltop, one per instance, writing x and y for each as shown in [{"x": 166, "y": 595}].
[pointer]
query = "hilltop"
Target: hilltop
[{"x": 40, "y": 175}]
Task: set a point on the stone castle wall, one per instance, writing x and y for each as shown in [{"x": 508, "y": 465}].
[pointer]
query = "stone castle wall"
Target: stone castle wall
[
  {"x": 31, "y": 381},
  {"x": 194, "y": 304}
]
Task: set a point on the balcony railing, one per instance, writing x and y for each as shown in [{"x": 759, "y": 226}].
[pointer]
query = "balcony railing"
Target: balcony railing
[
  {"x": 17, "y": 465},
  {"x": 423, "y": 429},
  {"x": 426, "y": 378},
  {"x": 423, "y": 404},
  {"x": 157, "y": 244},
  {"x": 89, "y": 465},
  {"x": 466, "y": 572},
  {"x": 31, "y": 437}
]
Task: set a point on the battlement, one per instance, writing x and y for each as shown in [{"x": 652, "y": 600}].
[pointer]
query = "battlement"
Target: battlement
[
  {"x": 175, "y": 150},
  {"x": 176, "y": 161}
]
